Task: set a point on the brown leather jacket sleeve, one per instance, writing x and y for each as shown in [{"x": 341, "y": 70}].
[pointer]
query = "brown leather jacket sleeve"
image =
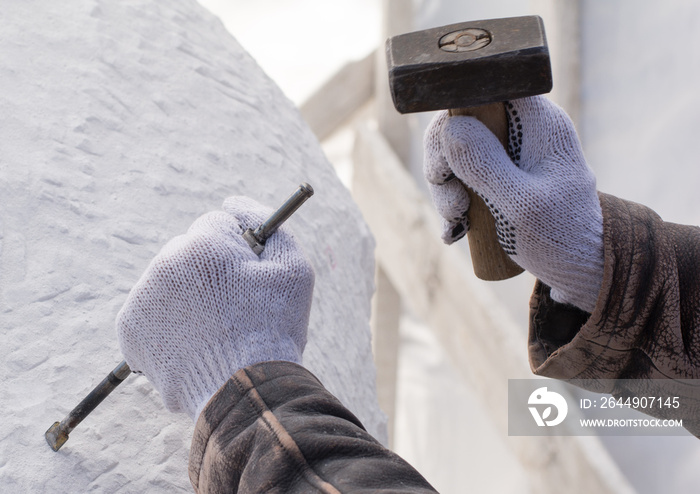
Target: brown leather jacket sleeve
[
  {"x": 274, "y": 428},
  {"x": 646, "y": 323}
]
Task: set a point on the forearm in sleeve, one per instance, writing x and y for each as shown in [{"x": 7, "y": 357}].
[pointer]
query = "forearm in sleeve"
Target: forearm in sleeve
[
  {"x": 274, "y": 428},
  {"x": 646, "y": 323}
]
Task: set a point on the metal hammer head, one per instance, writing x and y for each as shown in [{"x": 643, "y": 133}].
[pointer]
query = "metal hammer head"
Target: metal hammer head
[{"x": 469, "y": 64}]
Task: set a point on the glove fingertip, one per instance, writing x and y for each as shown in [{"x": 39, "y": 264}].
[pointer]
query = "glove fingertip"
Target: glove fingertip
[
  {"x": 216, "y": 221},
  {"x": 438, "y": 172},
  {"x": 248, "y": 212},
  {"x": 454, "y": 231}
]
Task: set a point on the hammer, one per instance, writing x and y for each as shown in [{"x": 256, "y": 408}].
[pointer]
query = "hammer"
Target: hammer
[
  {"x": 472, "y": 68},
  {"x": 58, "y": 433}
]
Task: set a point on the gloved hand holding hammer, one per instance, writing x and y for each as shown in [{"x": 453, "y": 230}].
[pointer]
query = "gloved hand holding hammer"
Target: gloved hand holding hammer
[
  {"x": 541, "y": 192},
  {"x": 630, "y": 277}
]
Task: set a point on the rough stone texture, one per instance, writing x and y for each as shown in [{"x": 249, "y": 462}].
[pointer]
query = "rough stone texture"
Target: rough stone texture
[{"x": 122, "y": 123}]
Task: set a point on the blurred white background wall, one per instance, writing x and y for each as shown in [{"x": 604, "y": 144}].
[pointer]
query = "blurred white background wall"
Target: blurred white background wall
[{"x": 301, "y": 43}]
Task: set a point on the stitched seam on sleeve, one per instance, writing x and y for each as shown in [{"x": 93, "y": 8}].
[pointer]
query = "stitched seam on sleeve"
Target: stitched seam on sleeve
[{"x": 283, "y": 438}]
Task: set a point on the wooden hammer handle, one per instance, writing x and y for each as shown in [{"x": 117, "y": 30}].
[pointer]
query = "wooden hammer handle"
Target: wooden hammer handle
[{"x": 490, "y": 262}]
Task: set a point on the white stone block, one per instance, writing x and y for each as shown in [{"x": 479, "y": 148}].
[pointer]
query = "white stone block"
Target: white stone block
[{"x": 122, "y": 123}]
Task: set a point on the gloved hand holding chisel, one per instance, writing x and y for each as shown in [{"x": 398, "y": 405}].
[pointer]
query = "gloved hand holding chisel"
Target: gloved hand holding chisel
[{"x": 207, "y": 306}]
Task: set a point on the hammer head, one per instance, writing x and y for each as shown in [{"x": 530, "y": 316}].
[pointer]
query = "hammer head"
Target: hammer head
[{"x": 469, "y": 64}]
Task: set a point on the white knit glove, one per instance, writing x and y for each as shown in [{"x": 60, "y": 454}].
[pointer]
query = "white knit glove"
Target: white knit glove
[
  {"x": 207, "y": 306},
  {"x": 541, "y": 192}
]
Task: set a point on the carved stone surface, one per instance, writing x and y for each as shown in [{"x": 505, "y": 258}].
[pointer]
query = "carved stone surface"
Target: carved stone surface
[{"x": 122, "y": 123}]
